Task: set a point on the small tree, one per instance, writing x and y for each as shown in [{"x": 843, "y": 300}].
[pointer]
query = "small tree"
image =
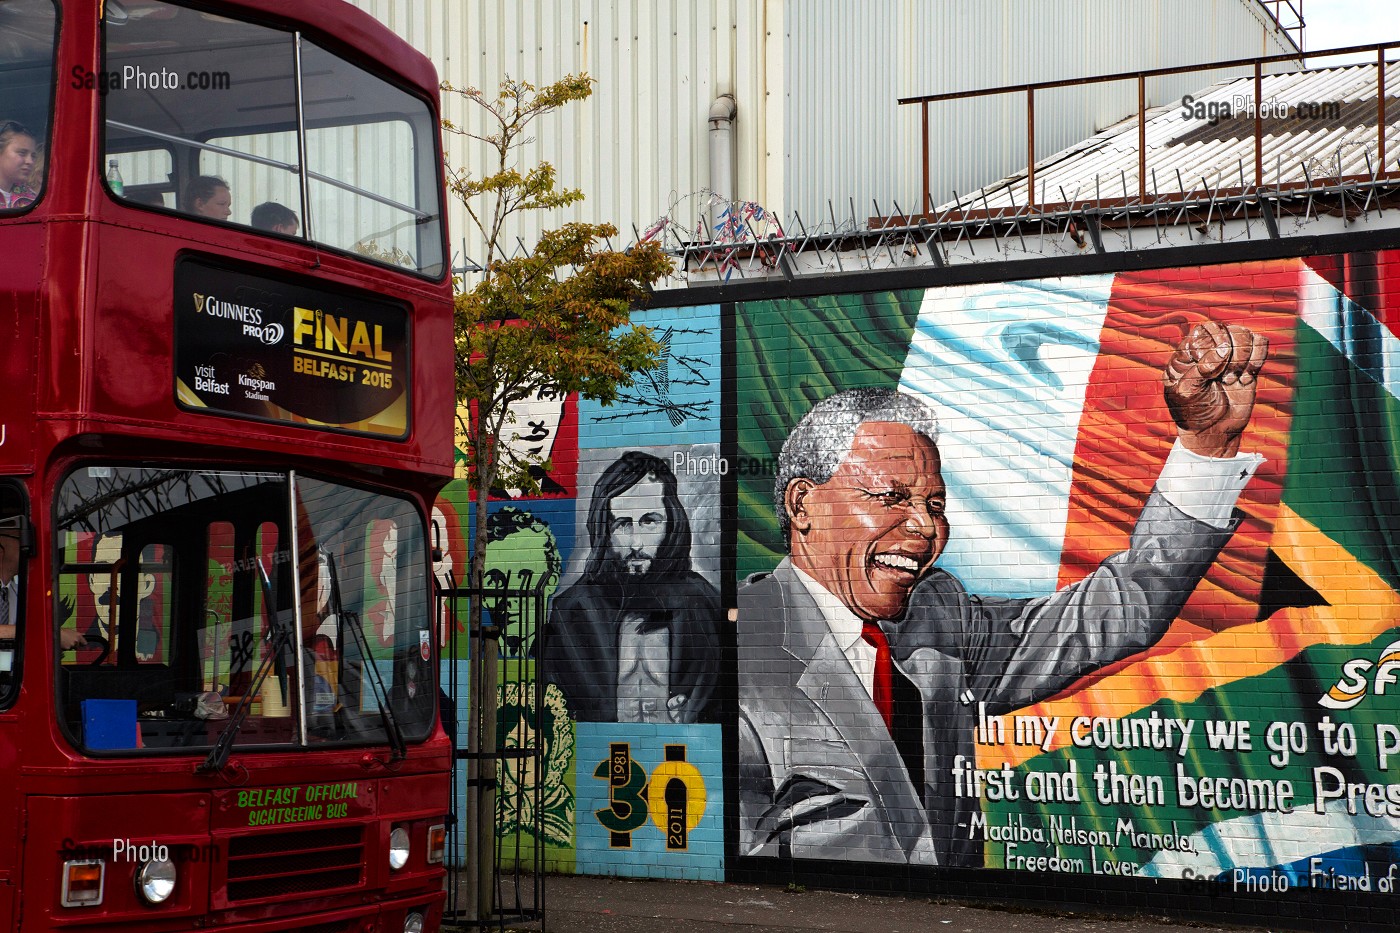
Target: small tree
[{"x": 554, "y": 319}]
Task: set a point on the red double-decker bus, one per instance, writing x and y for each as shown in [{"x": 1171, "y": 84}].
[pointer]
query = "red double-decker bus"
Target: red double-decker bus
[{"x": 226, "y": 396}]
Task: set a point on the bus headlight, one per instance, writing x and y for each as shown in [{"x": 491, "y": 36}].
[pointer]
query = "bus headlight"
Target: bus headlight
[
  {"x": 413, "y": 923},
  {"x": 155, "y": 880},
  {"x": 82, "y": 882},
  {"x": 398, "y": 848}
]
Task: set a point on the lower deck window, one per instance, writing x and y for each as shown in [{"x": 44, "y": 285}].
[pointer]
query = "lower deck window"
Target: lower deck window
[{"x": 271, "y": 609}]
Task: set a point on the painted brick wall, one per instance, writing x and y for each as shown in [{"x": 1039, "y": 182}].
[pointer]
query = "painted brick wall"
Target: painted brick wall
[{"x": 1113, "y": 684}]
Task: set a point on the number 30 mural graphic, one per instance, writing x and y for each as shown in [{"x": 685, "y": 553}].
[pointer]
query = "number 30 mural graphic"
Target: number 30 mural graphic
[
  {"x": 655, "y": 798},
  {"x": 674, "y": 798}
]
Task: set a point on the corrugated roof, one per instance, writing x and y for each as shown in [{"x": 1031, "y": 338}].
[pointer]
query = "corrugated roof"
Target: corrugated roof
[{"x": 1316, "y": 124}]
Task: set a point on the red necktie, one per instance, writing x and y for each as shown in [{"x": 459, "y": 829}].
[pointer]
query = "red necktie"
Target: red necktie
[{"x": 884, "y": 672}]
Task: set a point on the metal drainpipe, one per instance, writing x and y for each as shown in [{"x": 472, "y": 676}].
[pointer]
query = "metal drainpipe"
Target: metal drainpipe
[{"x": 722, "y": 182}]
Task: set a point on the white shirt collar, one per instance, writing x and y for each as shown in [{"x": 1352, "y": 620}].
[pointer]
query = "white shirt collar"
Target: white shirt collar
[
  {"x": 846, "y": 629},
  {"x": 844, "y": 624}
]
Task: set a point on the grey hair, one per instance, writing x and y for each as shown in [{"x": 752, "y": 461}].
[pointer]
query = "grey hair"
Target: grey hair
[{"x": 820, "y": 441}]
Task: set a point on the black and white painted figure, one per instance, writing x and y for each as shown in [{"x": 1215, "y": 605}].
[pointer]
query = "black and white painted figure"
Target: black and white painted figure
[{"x": 635, "y": 639}]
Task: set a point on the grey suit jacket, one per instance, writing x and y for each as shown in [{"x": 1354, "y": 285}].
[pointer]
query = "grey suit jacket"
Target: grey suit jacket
[{"x": 819, "y": 774}]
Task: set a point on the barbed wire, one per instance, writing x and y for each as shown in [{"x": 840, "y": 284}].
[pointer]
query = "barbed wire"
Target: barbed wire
[{"x": 716, "y": 238}]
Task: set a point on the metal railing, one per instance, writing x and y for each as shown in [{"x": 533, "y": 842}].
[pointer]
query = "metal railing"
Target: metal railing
[
  {"x": 498, "y": 877},
  {"x": 1288, "y": 18},
  {"x": 1141, "y": 78}
]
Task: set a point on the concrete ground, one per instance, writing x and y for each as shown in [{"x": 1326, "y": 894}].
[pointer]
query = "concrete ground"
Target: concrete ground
[{"x": 575, "y": 904}]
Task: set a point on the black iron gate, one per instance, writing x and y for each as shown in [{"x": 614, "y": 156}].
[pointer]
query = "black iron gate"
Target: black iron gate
[{"x": 495, "y": 834}]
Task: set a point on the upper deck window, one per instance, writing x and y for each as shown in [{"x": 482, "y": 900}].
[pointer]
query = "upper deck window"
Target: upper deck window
[
  {"x": 237, "y": 123},
  {"x": 27, "y": 41}
]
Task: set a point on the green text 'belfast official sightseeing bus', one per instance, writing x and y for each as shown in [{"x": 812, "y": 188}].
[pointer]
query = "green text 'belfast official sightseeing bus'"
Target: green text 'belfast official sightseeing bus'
[{"x": 225, "y": 410}]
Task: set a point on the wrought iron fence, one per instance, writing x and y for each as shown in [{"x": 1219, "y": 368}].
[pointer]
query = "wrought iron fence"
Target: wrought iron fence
[{"x": 495, "y": 836}]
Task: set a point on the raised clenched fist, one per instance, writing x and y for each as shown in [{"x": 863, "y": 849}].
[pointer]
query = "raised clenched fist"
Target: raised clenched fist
[{"x": 1210, "y": 383}]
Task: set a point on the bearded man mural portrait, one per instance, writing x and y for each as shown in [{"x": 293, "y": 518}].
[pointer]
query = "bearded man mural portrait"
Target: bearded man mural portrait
[{"x": 635, "y": 639}]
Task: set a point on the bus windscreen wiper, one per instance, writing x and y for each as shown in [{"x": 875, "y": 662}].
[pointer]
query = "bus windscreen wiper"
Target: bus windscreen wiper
[
  {"x": 351, "y": 620},
  {"x": 279, "y": 639}
]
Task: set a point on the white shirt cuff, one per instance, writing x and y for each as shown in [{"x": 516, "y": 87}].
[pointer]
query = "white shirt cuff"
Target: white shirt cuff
[{"x": 1206, "y": 488}]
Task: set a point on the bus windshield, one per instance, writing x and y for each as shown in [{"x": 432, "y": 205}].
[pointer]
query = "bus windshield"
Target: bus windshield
[
  {"x": 253, "y": 608},
  {"x": 27, "y": 45},
  {"x": 232, "y": 122}
]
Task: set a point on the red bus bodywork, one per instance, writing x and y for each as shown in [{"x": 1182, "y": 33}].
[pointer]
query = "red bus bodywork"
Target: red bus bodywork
[{"x": 86, "y": 372}]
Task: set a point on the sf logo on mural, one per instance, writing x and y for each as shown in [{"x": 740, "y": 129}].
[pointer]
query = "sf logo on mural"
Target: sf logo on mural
[
  {"x": 1357, "y": 681},
  {"x": 674, "y": 797}
]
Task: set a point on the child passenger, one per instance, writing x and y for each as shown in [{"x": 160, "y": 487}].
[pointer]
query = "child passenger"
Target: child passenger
[{"x": 19, "y": 154}]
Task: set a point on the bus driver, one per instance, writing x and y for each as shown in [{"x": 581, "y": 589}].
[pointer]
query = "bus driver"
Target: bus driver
[{"x": 9, "y": 587}]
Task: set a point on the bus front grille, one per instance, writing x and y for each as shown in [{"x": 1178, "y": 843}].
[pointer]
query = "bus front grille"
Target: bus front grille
[{"x": 302, "y": 862}]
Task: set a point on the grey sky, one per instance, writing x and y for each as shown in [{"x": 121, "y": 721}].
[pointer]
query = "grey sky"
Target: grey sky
[{"x": 1335, "y": 23}]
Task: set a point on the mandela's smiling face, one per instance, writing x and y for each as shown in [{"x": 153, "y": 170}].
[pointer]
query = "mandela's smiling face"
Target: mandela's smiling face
[{"x": 873, "y": 530}]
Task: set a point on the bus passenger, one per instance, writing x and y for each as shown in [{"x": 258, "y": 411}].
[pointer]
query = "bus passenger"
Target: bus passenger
[
  {"x": 276, "y": 218},
  {"x": 9, "y": 580},
  {"x": 19, "y": 152},
  {"x": 209, "y": 196},
  {"x": 9, "y": 587}
]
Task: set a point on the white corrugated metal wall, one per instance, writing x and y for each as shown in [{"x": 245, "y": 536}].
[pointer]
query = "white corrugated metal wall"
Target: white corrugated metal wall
[
  {"x": 640, "y": 141},
  {"x": 978, "y": 141},
  {"x": 816, "y": 82}
]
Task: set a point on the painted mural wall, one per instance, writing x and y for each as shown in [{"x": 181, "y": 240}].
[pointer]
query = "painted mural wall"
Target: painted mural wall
[{"x": 1089, "y": 575}]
